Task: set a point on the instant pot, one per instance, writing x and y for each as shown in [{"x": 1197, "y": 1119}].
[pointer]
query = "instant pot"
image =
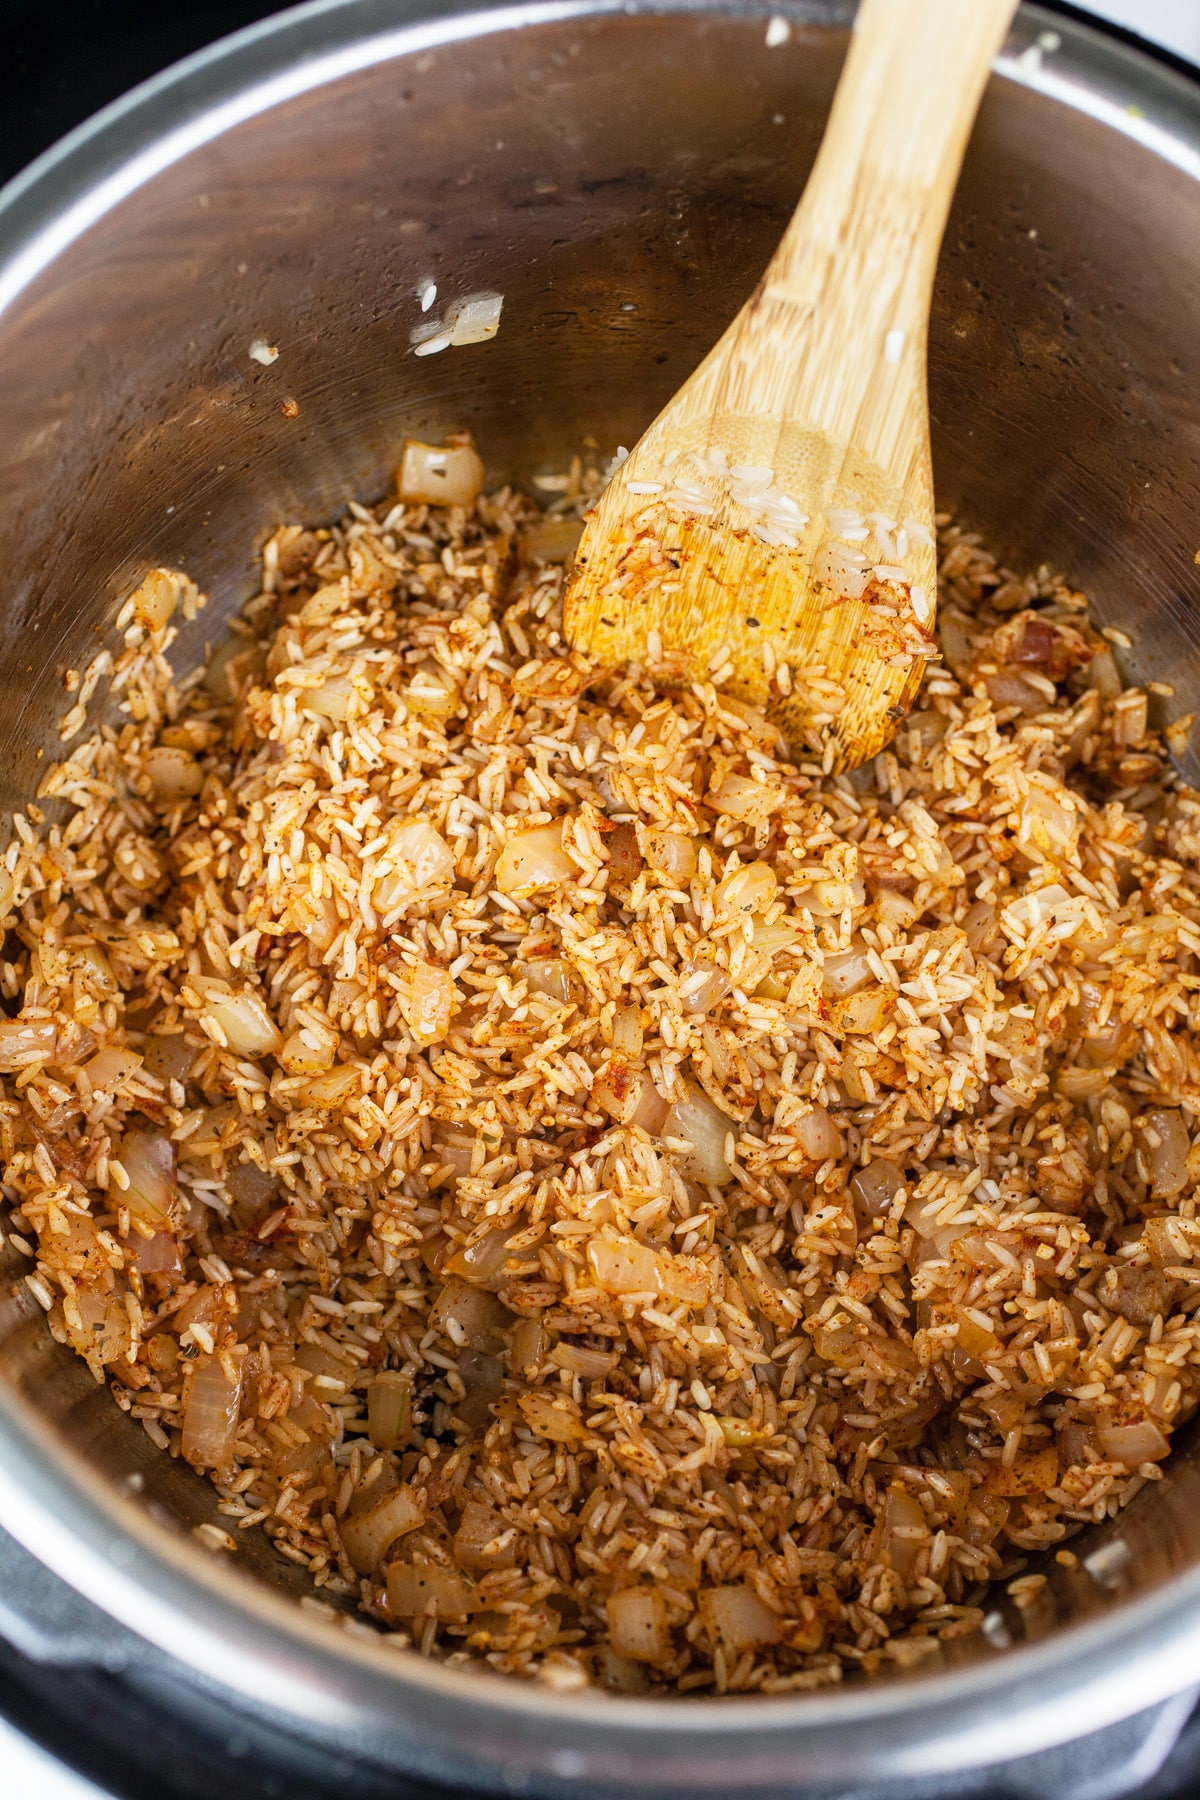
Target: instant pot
[{"x": 619, "y": 171}]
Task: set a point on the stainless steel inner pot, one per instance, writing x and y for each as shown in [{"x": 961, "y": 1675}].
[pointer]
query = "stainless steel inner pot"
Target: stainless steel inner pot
[{"x": 619, "y": 173}]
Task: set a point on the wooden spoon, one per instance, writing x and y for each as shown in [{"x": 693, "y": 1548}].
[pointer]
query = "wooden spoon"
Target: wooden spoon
[{"x": 773, "y": 530}]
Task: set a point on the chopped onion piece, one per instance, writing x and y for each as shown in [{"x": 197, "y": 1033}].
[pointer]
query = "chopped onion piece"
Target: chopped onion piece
[
  {"x": 705, "y": 1127},
  {"x": 748, "y": 890},
  {"x": 475, "y": 1542},
  {"x": 428, "y": 1001},
  {"x": 637, "y": 1625},
  {"x": 154, "y": 601},
  {"x": 623, "y": 1265},
  {"x": 422, "y": 1589},
  {"x": 389, "y": 1410},
  {"x": 740, "y": 798},
  {"x": 474, "y": 318},
  {"x": 527, "y": 1345},
  {"x": 470, "y": 1316},
  {"x": 592, "y": 1365},
  {"x": 702, "y": 986},
  {"x": 241, "y": 1020},
  {"x": 817, "y": 1135},
  {"x": 111, "y": 1066},
  {"x": 533, "y": 859},
  {"x": 875, "y": 1187},
  {"x": 169, "y": 1058},
  {"x": 173, "y": 774},
  {"x": 551, "y": 540},
  {"x": 863, "y": 1013},
  {"x": 554, "y": 1420},
  {"x": 333, "y": 1088},
  {"x": 670, "y": 852},
  {"x": 548, "y": 975},
  {"x": 630, "y": 1097},
  {"x": 902, "y": 1516},
  {"x": 426, "y": 857},
  {"x": 155, "y": 1255},
  {"x": 846, "y": 971},
  {"x": 148, "y": 1159},
  {"x": 1166, "y": 1143},
  {"x": 737, "y": 1618},
  {"x": 439, "y": 475},
  {"x": 368, "y": 1536},
  {"x": 210, "y": 1417},
  {"x": 1134, "y": 1444}
]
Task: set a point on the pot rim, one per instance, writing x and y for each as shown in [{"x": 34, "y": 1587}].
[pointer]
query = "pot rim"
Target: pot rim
[{"x": 237, "y": 1632}]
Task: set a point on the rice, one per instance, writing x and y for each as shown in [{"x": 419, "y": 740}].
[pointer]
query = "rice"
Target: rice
[{"x": 606, "y": 1200}]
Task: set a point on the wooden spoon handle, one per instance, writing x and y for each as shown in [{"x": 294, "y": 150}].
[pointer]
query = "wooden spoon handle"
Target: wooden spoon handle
[{"x": 890, "y": 160}]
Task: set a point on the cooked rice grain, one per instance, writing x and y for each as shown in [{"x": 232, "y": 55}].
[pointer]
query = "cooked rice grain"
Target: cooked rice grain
[{"x": 563, "y": 1168}]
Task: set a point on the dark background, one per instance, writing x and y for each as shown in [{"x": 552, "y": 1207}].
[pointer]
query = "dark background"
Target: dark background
[{"x": 61, "y": 60}]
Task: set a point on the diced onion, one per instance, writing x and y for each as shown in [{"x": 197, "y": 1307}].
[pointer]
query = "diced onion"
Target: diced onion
[
  {"x": 426, "y": 860},
  {"x": 1007, "y": 688},
  {"x": 592, "y": 1365},
  {"x": 740, "y": 798},
  {"x": 241, "y": 1020},
  {"x": 817, "y": 1135},
  {"x": 1141, "y": 1442},
  {"x": 483, "y": 1260},
  {"x": 902, "y": 1515},
  {"x": 428, "y": 1001},
  {"x": 624, "y": 855},
  {"x": 846, "y": 971},
  {"x": 156, "y": 1255},
  {"x": 627, "y": 1030},
  {"x": 154, "y": 601},
  {"x": 333, "y": 1088},
  {"x": 527, "y": 1345},
  {"x": 748, "y": 890},
  {"x": 875, "y": 1187},
  {"x": 551, "y": 540},
  {"x": 439, "y": 475},
  {"x": 474, "y": 318},
  {"x": 738, "y": 1619},
  {"x": 1166, "y": 1143},
  {"x": 1047, "y": 821},
  {"x": 148, "y": 1159},
  {"x": 638, "y": 1626},
  {"x": 475, "y": 1542},
  {"x": 389, "y": 1410},
  {"x": 25, "y": 1041},
  {"x": 368, "y": 1536},
  {"x": 863, "y": 1013},
  {"x": 111, "y": 1066},
  {"x": 300, "y": 1055},
  {"x": 705, "y": 1127},
  {"x": 533, "y": 859},
  {"x": 470, "y": 1316},
  {"x": 623, "y": 1265},
  {"x": 702, "y": 986},
  {"x": 979, "y": 927},
  {"x": 334, "y": 699},
  {"x": 671, "y": 853},
  {"x": 629, "y": 1096},
  {"x": 173, "y": 774},
  {"x": 421, "y": 1589},
  {"x": 210, "y": 1417},
  {"x": 169, "y": 1058},
  {"x": 554, "y": 1420},
  {"x": 548, "y": 975},
  {"x": 1102, "y": 673},
  {"x": 483, "y": 1379}
]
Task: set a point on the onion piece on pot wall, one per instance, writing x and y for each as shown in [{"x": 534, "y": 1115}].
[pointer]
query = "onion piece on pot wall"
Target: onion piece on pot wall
[{"x": 439, "y": 474}]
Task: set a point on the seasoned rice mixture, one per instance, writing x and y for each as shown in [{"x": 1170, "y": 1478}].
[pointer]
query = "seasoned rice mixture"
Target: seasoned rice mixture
[{"x": 607, "y": 1199}]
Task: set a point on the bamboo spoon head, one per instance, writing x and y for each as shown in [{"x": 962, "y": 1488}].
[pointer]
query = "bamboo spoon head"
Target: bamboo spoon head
[{"x": 773, "y": 561}]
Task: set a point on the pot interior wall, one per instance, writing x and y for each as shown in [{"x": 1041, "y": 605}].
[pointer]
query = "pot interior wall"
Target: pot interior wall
[{"x": 620, "y": 180}]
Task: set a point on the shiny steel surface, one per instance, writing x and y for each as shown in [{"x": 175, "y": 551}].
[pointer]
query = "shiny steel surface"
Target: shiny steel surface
[{"x": 620, "y": 174}]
